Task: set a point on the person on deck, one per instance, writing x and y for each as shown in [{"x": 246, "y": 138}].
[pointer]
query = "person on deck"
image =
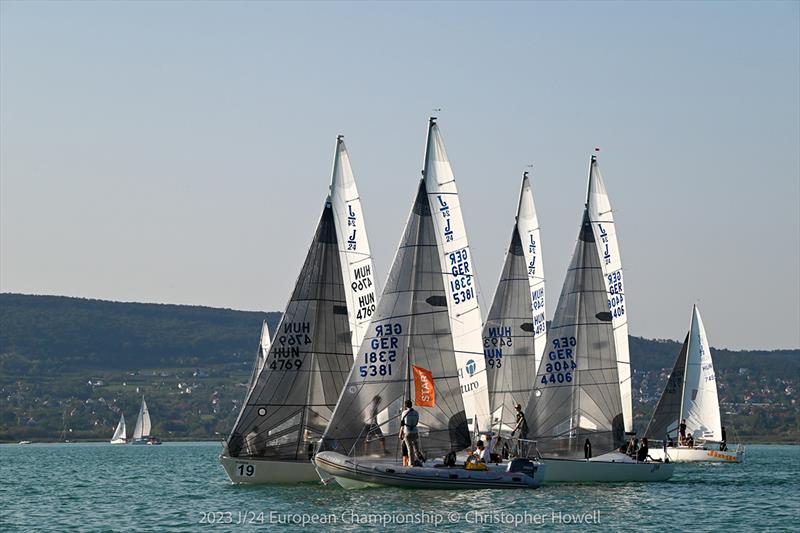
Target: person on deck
[
  {"x": 521, "y": 426},
  {"x": 723, "y": 445},
  {"x": 690, "y": 441},
  {"x": 642, "y": 453},
  {"x": 682, "y": 433},
  {"x": 408, "y": 431},
  {"x": 480, "y": 452},
  {"x": 587, "y": 450},
  {"x": 372, "y": 430}
]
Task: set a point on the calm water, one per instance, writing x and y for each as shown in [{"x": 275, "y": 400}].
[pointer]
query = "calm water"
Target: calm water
[{"x": 174, "y": 487}]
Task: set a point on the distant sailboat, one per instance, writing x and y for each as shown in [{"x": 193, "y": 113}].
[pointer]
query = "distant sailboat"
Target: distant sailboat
[
  {"x": 423, "y": 344},
  {"x": 141, "y": 431},
  {"x": 515, "y": 332},
  {"x": 582, "y": 388},
  {"x": 120, "y": 434},
  {"x": 261, "y": 358},
  {"x": 291, "y": 401},
  {"x": 691, "y": 395}
]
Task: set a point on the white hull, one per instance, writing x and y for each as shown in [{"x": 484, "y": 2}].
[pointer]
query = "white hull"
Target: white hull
[
  {"x": 265, "y": 472},
  {"x": 699, "y": 455},
  {"x": 119, "y": 441},
  {"x": 577, "y": 471},
  {"x": 352, "y": 473}
]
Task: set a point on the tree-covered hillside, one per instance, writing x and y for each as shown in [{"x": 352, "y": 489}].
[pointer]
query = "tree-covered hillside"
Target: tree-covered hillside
[{"x": 70, "y": 366}]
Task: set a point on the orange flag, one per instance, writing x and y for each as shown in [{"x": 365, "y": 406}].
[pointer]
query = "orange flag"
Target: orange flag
[{"x": 425, "y": 392}]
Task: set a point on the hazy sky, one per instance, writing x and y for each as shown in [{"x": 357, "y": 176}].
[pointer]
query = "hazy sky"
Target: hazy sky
[{"x": 181, "y": 152}]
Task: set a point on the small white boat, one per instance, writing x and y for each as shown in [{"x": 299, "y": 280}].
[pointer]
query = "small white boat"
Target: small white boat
[
  {"x": 120, "y": 434},
  {"x": 352, "y": 473},
  {"x": 25, "y": 442},
  {"x": 691, "y": 395},
  {"x": 141, "y": 432}
]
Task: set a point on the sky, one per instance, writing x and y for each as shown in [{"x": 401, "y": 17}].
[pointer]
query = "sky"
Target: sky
[{"x": 180, "y": 152}]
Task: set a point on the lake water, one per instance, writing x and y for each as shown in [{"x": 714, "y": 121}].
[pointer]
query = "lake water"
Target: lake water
[{"x": 182, "y": 487}]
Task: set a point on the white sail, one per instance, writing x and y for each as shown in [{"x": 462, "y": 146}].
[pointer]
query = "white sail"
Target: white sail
[
  {"x": 460, "y": 282},
  {"x": 357, "y": 270},
  {"x": 528, "y": 227},
  {"x": 602, "y": 220},
  {"x": 120, "y": 433},
  {"x": 142, "y": 428},
  {"x": 700, "y": 404},
  {"x": 263, "y": 350},
  {"x": 515, "y": 332}
]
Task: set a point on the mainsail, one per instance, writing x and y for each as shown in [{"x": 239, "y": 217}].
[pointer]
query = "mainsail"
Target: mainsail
[
  {"x": 666, "y": 417},
  {"x": 411, "y": 326},
  {"x": 601, "y": 217},
  {"x": 142, "y": 428},
  {"x": 515, "y": 332},
  {"x": 577, "y": 390},
  {"x": 120, "y": 433},
  {"x": 308, "y": 360},
  {"x": 357, "y": 269},
  {"x": 460, "y": 283}
]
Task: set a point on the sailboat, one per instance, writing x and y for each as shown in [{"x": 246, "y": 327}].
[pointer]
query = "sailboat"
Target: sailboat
[
  {"x": 141, "y": 431},
  {"x": 582, "y": 387},
  {"x": 515, "y": 331},
  {"x": 120, "y": 434},
  {"x": 691, "y": 395},
  {"x": 289, "y": 405},
  {"x": 261, "y": 357},
  {"x": 424, "y": 342}
]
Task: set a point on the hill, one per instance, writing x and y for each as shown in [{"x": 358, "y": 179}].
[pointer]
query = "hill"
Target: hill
[{"x": 70, "y": 366}]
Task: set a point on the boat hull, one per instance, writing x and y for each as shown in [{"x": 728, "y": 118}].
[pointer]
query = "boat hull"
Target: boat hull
[
  {"x": 351, "y": 473},
  {"x": 577, "y": 471},
  {"x": 263, "y": 472},
  {"x": 699, "y": 455},
  {"x": 119, "y": 441}
]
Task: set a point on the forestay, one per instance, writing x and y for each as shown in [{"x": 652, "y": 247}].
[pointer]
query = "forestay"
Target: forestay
[
  {"x": 666, "y": 417},
  {"x": 515, "y": 332},
  {"x": 411, "y": 326},
  {"x": 308, "y": 361},
  {"x": 460, "y": 282},
  {"x": 605, "y": 233},
  {"x": 357, "y": 269},
  {"x": 700, "y": 405}
]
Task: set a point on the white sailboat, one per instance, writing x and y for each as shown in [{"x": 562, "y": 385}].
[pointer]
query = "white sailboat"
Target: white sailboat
[
  {"x": 582, "y": 388},
  {"x": 421, "y": 344},
  {"x": 690, "y": 395},
  {"x": 120, "y": 435},
  {"x": 291, "y": 401},
  {"x": 141, "y": 431},
  {"x": 261, "y": 357},
  {"x": 515, "y": 332}
]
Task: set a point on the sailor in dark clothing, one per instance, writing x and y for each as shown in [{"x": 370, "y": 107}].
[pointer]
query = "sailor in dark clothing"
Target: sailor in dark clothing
[
  {"x": 682, "y": 432},
  {"x": 587, "y": 450},
  {"x": 642, "y": 453},
  {"x": 724, "y": 444},
  {"x": 521, "y": 426}
]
